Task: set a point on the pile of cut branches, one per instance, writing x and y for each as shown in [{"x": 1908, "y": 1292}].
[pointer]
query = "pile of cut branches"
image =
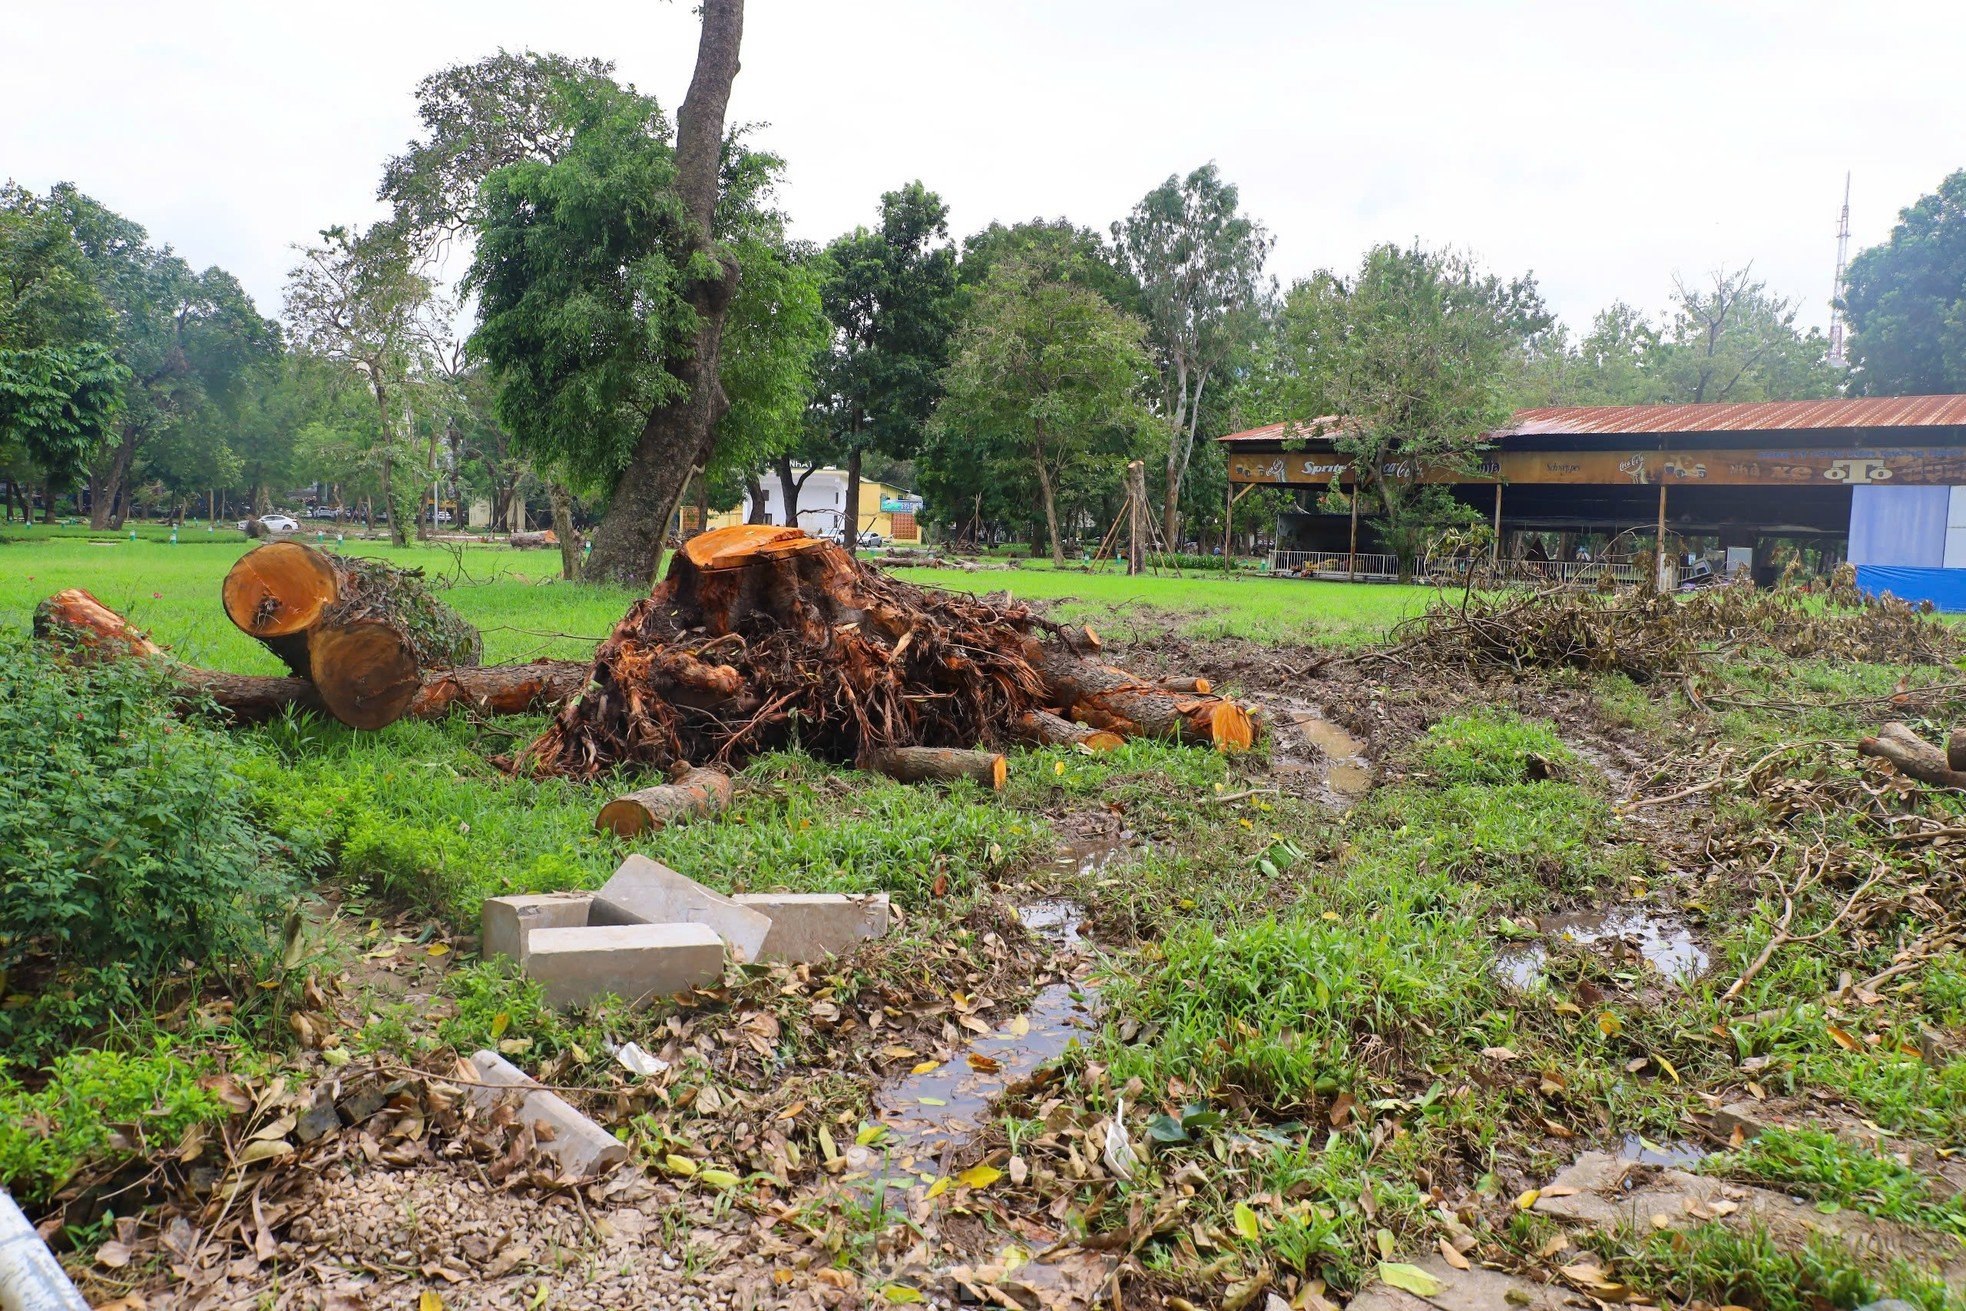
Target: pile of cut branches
[
  {"x": 762, "y": 638},
  {"x": 1647, "y": 636}
]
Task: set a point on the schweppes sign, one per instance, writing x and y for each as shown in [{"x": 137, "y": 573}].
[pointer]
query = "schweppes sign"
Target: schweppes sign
[{"x": 1908, "y": 466}]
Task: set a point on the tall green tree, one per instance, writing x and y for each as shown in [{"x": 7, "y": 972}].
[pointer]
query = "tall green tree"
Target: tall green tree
[
  {"x": 356, "y": 298},
  {"x": 1199, "y": 264},
  {"x": 1413, "y": 355},
  {"x": 1906, "y": 300},
  {"x": 60, "y": 384},
  {"x": 890, "y": 295},
  {"x": 1046, "y": 371}
]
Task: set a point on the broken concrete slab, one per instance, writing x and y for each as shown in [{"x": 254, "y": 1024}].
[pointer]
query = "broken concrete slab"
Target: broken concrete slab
[
  {"x": 645, "y": 892},
  {"x": 507, "y": 922},
  {"x": 809, "y": 926},
  {"x": 581, "y": 1148},
  {"x": 635, "y": 962},
  {"x": 1464, "y": 1290}
]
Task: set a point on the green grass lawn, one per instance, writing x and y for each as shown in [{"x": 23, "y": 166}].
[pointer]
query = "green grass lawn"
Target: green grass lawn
[{"x": 525, "y": 610}]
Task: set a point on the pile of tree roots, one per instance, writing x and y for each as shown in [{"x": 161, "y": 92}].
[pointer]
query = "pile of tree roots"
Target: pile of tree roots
[
  {"x": 1648, "y": 636},
  {"x": 763, "y": 638}
]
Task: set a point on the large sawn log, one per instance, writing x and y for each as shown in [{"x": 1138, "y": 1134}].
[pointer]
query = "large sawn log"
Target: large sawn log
[
  {"x": 362, "y": 631},
  {"x": 1118, "y": 702},
  {"x": 85, "y": 625}
]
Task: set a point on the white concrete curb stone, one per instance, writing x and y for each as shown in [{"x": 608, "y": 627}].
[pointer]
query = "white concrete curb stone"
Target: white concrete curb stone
[
  {"x": 644, "y": 892},
  {"x": 507, "y": 922},
  {"x": 30, "y": 1277},
  {"x": 581, "y": 1148},
  {"x": 635, "y": 962},
  {"x": 810, "y": 926}
]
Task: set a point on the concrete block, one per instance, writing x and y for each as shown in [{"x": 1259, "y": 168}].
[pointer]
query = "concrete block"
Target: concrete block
[
  {"x": 808, "y": 926},
  {"x": 644, "y": 892},
  {"x": 581, "y": 1148},
  {"x": 635, "y": 962},
  {"x": 506, "y": 922}
]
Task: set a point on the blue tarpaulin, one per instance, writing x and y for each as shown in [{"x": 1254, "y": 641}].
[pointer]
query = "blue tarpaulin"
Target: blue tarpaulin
[{"x": 1944, "y": 588}]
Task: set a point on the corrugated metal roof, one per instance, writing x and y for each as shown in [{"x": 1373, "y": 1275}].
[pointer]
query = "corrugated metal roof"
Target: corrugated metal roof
[{"x": 1757, "y": 416}]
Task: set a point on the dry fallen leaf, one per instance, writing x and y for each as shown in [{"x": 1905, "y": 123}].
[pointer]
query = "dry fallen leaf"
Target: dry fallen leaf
[{"x": 1452, "y": 1256}]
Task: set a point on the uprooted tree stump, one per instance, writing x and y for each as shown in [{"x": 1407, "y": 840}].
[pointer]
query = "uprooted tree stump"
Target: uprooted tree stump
[
  {"x": 762, "y": 637},
  {"x": 85, "y": 626},
  {"x": 363, "y": 632}
]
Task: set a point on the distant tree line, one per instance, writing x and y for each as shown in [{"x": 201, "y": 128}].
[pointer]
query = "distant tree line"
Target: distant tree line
[{"x": 642, "y": 331}]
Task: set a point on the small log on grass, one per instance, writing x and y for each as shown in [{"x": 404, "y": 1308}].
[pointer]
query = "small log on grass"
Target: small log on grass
[
  {"x": 1119, "y": 702},
  {"x": 1041, "y": 728},
  {"x": 694, "y": 793},
  {"x": 362, "y": 631},
  {"x": 1188, "y": 686},
  {"x": 1913, "y": 756},
  {"x": 940, "y": 765}
]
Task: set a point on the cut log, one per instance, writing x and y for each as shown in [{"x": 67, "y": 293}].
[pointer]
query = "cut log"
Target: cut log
[
  {"x": 940, "y": 765},
  {"x": 88, "y": 628},
  {"x": 1118, "y": 702},
  {"x": 362, "y": 631},
  {"x": 1956, "y": 750},
  {"x": 1913, "y": 756},
  {"x": 1188, "y": 686},
  {"x": 696, "y": 792},
  {"x": 543, "y": 685},
  {"x": 533, "y": 541},
  {"x": 1041, "y": 728}
]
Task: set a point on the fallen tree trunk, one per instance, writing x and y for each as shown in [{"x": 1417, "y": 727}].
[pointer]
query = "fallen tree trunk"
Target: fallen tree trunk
[
  {"x": 1041, "y": 728},
  {"x": 533, "y": 541},
  {"x": 1118, "y": 702},
  {"x": 362, "y": 631},
  {"x": 80, "y": 622},
  {"x": 940, "y": 765},
  {"x": 696, "y": 792},
  {"x": 1913, "y": 756}
]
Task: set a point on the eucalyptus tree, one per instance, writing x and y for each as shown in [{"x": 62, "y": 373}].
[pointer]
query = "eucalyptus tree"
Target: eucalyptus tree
[
  {"x": 357, "y": 297},
  {"x": 1199, "y": 262}
]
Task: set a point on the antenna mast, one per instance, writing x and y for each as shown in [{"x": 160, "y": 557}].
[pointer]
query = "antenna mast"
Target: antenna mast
[{"x": 1836, "y": 356}]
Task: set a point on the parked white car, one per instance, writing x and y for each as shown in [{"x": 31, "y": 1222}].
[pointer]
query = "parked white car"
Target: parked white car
[{"x": 274, "y": 523}]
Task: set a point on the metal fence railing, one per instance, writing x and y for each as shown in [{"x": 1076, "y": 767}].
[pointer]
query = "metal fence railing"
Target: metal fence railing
[{"x": 1373, "y": 567}]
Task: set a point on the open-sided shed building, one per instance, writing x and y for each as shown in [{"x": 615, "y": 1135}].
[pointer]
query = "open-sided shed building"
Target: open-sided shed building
[{"x": 1880, "y": 481}]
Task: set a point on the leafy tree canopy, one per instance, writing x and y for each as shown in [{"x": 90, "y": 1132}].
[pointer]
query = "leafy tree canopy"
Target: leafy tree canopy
[{"x": 1906, "y": 300}]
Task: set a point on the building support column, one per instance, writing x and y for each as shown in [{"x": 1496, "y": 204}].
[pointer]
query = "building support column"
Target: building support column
[
  {"x": 1495, "y": 547},
  {"x": 1351, "y": 561},
  {"x": 1229, "y": 530},
  {"x": 1659, "y": 571}
]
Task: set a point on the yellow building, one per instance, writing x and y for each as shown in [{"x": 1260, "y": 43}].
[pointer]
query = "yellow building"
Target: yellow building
[{"x": 888, "y": 511}]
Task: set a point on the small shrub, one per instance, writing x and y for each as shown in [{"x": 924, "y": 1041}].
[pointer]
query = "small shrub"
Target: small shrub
[
  {"x": 46, "y": 1135},
  {"x": 130, "y": 847}
]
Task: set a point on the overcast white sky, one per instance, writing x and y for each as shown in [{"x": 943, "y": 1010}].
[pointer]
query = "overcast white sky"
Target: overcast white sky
[{"x": 1604, "y": 146}]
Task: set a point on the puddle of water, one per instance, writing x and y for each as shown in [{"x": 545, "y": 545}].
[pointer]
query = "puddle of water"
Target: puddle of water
[
  {"x": 927, "y": 1114},
  {"x": 1342, "y": 763},
  {"x": 1646, "y": 1152},
  {"x": 1665, "y": 942}
]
